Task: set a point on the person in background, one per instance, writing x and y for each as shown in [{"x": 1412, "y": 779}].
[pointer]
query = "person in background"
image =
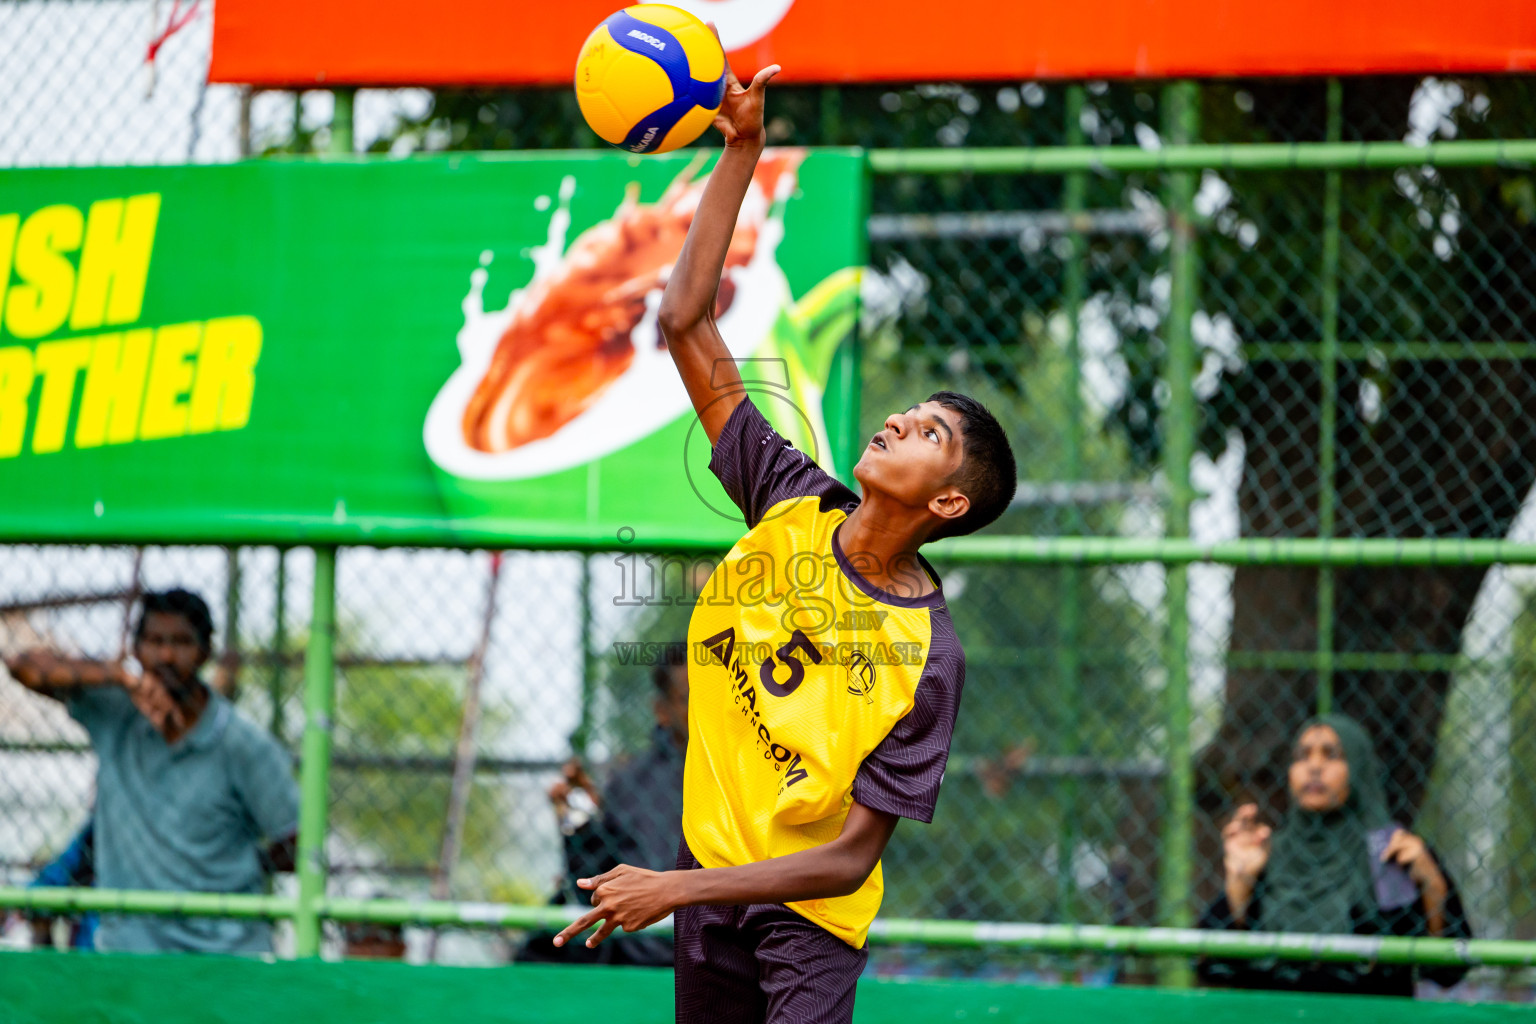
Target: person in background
[
  {"x": 189, "y": 795},
  {"x": 75, "y": 866},
  {"x": 636, "y": 819},
  {"x": 1338, "y": 865}
]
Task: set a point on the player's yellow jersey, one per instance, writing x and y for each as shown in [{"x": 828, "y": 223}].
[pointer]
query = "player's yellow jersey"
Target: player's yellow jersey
[{"x": 808, "y": 687}]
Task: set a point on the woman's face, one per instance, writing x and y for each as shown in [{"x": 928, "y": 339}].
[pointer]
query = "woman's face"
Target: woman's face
[{"x": 1319, "y": 772}]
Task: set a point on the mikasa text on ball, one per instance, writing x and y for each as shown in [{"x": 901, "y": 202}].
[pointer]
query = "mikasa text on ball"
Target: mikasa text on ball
[{"x": 650, "y": 78}]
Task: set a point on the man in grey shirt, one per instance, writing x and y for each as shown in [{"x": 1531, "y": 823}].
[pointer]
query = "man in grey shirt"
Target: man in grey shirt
[{"x": 189, "y": 794}]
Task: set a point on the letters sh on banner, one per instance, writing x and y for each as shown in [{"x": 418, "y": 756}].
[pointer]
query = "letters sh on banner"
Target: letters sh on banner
[{"x": 306, "y": 43}]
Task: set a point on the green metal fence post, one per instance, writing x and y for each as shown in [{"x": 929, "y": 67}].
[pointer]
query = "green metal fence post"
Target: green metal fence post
[
  {"x": 232, "y": 621},
  {"x": 315, "y": 769},
  {"x": 1328, "y": 425},
  {"x": 341, "y": 122},
  {"x": 1180, "y": 124},
  {"x": 846, "y": 363},
  {"x": 831, "y": 115},
  {"x": 583, "y": 734},
  {"x": 1068, "y": 656},
  {"x": 279, "y": 668}
]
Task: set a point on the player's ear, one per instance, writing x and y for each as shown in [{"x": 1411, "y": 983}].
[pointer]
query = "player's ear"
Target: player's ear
[{"x": 949, "y": 504}]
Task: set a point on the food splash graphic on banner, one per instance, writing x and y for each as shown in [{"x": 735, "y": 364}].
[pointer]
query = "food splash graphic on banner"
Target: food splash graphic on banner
[
  {"x": 574, "y": 367},
  {"x": 141, "y": 383}
]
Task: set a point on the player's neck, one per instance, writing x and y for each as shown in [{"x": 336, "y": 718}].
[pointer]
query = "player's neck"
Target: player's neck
[{"x": 886, "y": 536}]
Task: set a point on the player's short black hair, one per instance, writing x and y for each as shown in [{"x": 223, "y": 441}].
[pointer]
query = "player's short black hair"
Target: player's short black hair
[
  {"x": 988, "y": 474},
  {"x": 673, "y": 657},
  {"x": 177, "y": 601}
]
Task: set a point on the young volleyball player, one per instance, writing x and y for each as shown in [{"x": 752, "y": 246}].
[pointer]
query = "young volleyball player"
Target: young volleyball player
[{"x": 823, "y": 692}]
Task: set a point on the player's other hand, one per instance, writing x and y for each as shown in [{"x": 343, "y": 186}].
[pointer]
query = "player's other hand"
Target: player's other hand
[
  {"x": 740, "y": 118},
  {"x": 627, "y": 897}
]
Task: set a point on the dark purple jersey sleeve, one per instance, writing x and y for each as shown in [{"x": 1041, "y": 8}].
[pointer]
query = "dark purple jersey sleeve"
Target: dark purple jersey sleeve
[
  {"x": 902, "y": 774},
  {"x": 759, "y": 468}
]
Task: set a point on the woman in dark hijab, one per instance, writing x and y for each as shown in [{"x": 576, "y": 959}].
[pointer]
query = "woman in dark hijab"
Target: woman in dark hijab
[{"x": 1338, "y": 865}]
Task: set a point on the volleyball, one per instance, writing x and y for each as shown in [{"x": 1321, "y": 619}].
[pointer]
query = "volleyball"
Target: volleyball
[{"x": 650, "y": 78}]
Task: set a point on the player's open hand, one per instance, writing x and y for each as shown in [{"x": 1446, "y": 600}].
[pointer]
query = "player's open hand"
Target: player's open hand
[
  {"x": 627, "y": 897},
  {"x": 740, "y": 118}
]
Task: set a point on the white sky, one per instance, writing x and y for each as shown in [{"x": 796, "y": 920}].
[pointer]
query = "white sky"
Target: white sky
[{"x": 76, "y": 90}]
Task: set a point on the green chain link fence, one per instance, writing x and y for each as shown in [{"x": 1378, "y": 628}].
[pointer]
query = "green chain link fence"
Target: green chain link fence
[{"x": 1265, "y": 352}]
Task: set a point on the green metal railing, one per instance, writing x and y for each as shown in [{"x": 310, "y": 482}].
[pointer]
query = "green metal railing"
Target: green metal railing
[
  {"x": 1179, "y": 158},
  {"x": 1161, "y": 942},
  {"x": 1256, "y": 156}
]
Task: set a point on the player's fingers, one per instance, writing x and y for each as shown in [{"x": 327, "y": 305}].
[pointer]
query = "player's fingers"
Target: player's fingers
[
  {"x": 730, "y": 75},
  {"x": 578, "y": 926},
  {"x": 597, "y": 880},
  {"x": 762, "y": 78},
  {"x": 602, "y": 933}
]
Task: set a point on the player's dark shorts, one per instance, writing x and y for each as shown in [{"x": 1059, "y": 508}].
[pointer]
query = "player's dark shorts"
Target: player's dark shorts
[{"x": 760, "y": 963}]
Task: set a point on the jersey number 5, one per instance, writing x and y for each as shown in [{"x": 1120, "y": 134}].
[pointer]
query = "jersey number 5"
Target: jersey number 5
[{"x": 798, "y": 641}]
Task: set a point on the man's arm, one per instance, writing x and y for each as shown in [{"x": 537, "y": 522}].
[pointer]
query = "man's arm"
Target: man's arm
[
  {"x": 633, "y": 898},
  {"x": 46, "y": 673},
  {"x": 53, "y": 676},
  {"x": 687, "y": 313}
]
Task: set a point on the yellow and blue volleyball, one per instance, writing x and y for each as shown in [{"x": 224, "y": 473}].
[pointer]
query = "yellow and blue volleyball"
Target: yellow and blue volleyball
[{"x": 650, "y": 78}]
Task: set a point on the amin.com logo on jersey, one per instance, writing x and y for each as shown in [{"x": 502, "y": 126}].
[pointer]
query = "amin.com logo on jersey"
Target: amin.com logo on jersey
[
  {"x": 861, "y": 676},
  {"x": 67, "y": 271}
]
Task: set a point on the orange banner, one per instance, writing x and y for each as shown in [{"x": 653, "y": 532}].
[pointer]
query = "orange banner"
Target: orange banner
[{"x": 496, "y": 42}]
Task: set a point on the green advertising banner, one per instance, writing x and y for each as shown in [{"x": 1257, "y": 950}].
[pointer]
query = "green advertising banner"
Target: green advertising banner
[{"x": 447, "y": 350}]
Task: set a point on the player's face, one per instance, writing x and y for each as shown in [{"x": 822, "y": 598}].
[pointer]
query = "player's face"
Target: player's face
[
  {"x": 914, "y": 457},
  {"x": 1319, "y": 771},
  {"x": 168, "y": 645}
]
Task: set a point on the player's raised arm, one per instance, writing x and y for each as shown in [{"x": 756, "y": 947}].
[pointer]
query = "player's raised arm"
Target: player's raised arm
[{"x": 687, "y": 314}]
